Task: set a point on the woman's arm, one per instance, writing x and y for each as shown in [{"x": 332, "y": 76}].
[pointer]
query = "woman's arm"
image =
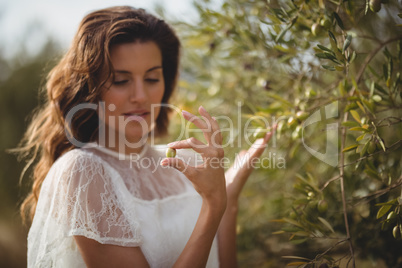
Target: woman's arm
[
  {"x": 236, "y": 177},
  {"x": 97, "y": 255}
]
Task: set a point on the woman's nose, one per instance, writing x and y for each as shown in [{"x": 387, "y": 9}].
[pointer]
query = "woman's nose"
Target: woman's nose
[{"x": 137, "y": 92}]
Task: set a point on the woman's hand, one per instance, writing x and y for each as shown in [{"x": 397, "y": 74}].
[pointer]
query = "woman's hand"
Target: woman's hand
[
  {"x": 239, "y": 172},
  {"x": 208, "y": 178}
]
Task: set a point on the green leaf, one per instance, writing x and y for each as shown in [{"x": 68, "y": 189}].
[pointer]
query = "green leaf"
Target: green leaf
[
  {"x": 347, "y": 43},
  {"x": 295, "y": 258},
  {"x": 325, "y": 49},
  {"x": 372, "y": 174},
  {"x": 360, "y": 106},
  {"x": 364, "y": 149},
  {"x": 293, "y": 222},
  {"x": 372, "y": 89},
  {"x": 321, "y": 55},
  {"x": 350, "y": 148},
  {"x": 390, "y": 202},
  {"x": 332, "y": 40},
  {"x": 360, "y": 137},
  {"x": 356, "y": 116},
  {"x": 279, "y": 98},
  {"x": 359, "y": 129},
  {"x": 339, "y": 21},
  {"x": 329, "y": 67},
  {"x": 327, "y": 224},
  {"x": 382, "y": 144},
  {"x": 383, "y": 210},
  {"x": 352, "y": 57},
  {"x": 301, "y": 233}
]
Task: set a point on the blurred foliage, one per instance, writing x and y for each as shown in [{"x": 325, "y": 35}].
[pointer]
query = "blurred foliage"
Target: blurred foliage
[
  {"x": 307, "y": 66},
  {"x": 20, "y": 78}
]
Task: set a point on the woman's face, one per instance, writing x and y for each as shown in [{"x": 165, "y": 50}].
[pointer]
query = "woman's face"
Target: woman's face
[{"x": 132, "y": 101}]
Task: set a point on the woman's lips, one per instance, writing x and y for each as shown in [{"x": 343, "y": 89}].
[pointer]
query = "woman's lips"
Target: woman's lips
[{"x": 136, "y": 116}]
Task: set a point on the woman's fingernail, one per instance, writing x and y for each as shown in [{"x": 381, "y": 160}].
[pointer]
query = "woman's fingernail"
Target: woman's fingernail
[
  {"x": 171, "y": 144},
  {"x": 202, "y": 108},
  {"x": 164, "y": 162}
]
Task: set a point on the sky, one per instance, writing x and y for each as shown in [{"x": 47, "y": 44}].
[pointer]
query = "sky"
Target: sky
[{"x": 28, "y": 23}]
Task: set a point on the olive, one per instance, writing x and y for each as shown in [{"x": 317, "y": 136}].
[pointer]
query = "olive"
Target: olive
[
  {"x": 391, "y": 215},
  {"x": 316, "y": 29},
  {"x": 326, "y": 23},
  {"x": 372, "y": 147},
  {"x": 375, "y": 5},
  {"x": 292, "y": 121},
  {"x": 170, "y": 152},
  {"x": 322, "y": 206},
  {"x": 396, "y": 232},
  {"x": 301, "y": 115}
]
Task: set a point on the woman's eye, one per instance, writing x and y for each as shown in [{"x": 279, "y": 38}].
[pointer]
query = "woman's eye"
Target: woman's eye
[
  {"x": 151, "y": 80},
  {"x": 120, "y": 82}
]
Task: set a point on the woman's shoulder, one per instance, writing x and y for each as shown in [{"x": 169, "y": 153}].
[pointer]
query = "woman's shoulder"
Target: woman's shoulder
[
  {"x": 78, "y": 162},
  {"x": 79, "y": 156}
]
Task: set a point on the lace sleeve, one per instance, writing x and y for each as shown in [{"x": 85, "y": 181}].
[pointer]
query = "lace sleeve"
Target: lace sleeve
[{"x": 88, "y": 203}]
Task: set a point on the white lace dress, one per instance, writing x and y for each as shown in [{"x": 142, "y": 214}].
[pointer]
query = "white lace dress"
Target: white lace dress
[{"x": 114, "y": 199}]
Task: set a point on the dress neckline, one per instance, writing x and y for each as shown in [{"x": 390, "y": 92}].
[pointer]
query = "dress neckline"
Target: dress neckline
[{"x": 120, "y": 156}]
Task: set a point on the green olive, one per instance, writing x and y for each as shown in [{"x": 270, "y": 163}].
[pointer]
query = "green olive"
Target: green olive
[
  {"x": 391, "y": 218},
  {"x": 375, "y": 5},
  {"x": 301, "y": 115},
  {"x": 372, "y": 147},
  {"x": 170, "y": 152},
  {"x": 293, "y": 215},
  {"x": 316, "y": 29},
  {"x": 396, "y": 232},
  {"x": 322, "y": 206},
  {"x": 292, "y": 121},
  {"x": 326, "y": 23}
]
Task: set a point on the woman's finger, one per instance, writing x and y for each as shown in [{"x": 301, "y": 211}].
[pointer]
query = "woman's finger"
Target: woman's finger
[
  {"x": 201, "y": 124},
  {"x": 215, "y": 136},
  {"x": 191, "y": 143},
  {"x": 180, "y": 165}
]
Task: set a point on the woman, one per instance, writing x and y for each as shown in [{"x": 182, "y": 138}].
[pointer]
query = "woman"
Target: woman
[{"x": 98, "y": 205}]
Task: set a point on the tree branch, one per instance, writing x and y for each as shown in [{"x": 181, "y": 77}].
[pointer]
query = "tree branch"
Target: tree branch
[
  {"x": 371, "y": 56},
  {"x": 342, "y": 178}
]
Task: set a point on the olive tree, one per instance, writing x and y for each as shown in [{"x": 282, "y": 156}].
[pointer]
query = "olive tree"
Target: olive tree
[{"x": 327, "y": 73}]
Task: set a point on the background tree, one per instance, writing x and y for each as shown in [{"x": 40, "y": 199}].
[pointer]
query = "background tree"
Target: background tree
[{"x": 293, "y": 62}]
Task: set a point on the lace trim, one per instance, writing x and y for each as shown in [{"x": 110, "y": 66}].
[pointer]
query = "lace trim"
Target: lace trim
[{"x": 118, "y": 155}]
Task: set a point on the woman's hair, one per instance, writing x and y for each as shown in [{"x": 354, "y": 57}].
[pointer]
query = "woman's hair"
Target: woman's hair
[{"x": 80, "y": 77}]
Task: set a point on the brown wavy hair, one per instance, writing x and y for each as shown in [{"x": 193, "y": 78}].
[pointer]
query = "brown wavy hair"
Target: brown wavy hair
[{"x": 79, "y": 78}]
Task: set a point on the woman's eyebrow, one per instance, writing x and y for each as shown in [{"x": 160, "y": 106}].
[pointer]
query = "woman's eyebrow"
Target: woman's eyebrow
[
  {"x": 154, "y": 68},
  {"x": 147, "y": 71}
]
